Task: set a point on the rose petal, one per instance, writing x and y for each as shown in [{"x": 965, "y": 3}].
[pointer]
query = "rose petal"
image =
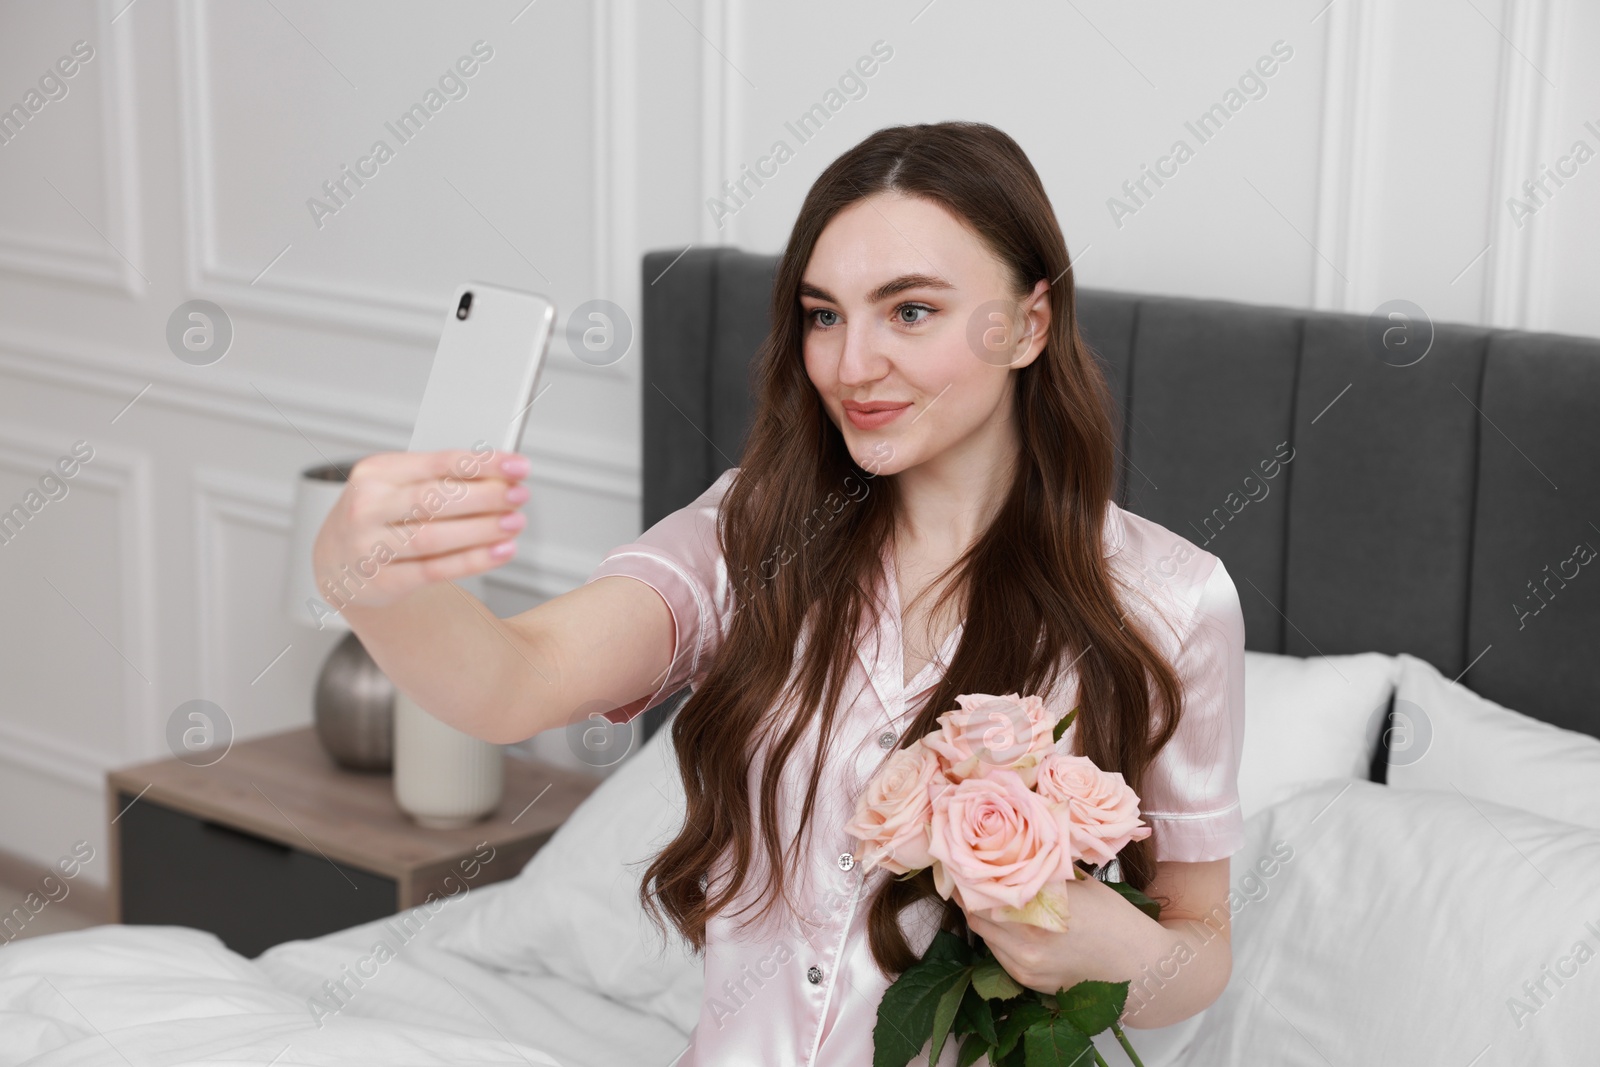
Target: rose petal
[{"x": 1048, "y": 910}]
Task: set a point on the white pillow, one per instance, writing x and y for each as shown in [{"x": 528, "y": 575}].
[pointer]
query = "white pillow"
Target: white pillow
[
  {"x": 1308, "y": 720},
  {"x": 1455, "y": 739},
  {"x": 574, "y": 910},
  {"x": 1405, "y": 927}
]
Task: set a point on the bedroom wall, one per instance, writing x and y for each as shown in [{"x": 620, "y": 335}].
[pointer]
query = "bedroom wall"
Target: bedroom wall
[{"x": 179, "y": 160}]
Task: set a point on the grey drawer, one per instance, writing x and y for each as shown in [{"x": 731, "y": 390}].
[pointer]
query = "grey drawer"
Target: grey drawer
[{"x": 251, "y": 892}]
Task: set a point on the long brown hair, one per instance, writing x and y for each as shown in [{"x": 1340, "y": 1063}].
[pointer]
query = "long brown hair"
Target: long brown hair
[{"x": 1035, "y": 583}]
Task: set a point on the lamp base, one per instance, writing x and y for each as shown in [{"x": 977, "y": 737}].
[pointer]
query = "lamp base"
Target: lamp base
[{"x": 354, "y": 709}]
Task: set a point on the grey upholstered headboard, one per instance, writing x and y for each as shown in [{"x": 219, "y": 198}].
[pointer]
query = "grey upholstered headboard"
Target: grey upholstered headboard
[{"x": 1427, "y": 509}]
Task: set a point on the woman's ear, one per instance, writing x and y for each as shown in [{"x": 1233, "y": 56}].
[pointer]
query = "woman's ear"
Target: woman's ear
[{"x": 1035, "y": 324}]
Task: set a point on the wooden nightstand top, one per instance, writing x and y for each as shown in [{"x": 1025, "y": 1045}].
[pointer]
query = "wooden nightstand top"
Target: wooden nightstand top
[{"x": 284, "y": 787}]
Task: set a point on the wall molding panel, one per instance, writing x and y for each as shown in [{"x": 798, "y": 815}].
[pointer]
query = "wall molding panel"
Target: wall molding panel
[
  {"x": 92, "y": 261},
  {"x": 615, "y": 92},
  {"x": 125, "y": 475},
  {"x": 717, "y": 115},
  {"x": 1353, "y": 83},
  {"x": 410, "y": 317},
  {"x": 221, "y": 498},
  {"x": 1525, "y": 138},
  {"x": 371, "y": 310}
]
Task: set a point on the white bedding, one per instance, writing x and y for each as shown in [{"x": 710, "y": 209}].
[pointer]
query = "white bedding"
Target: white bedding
[
  {"x": 1393, "y": 926},
  {"x": 159, "y": 995},
  {"x": 163, "y": 996},
  {"x": 425, "y": 984}
]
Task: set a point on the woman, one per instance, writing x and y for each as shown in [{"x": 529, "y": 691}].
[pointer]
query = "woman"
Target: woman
[{"x": 922, "y": 510}]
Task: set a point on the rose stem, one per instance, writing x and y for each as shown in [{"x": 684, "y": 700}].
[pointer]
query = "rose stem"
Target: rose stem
[{"x": 1123, "y": 1038}]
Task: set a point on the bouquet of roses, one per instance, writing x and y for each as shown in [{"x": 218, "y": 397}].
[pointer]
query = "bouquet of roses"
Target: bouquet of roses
[{"x": 1004, "y": 815}]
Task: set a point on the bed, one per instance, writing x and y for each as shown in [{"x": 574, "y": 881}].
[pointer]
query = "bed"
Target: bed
[{"x": 1421, "y": 782}]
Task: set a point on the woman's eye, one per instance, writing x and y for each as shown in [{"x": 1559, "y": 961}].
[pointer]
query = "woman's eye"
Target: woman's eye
[
  {"x": 903, "y": 309},
  {"x": 817, "y": 313}
]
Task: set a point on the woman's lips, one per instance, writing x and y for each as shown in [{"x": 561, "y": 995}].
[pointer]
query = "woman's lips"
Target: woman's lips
[{"x": 872, "y": 420}]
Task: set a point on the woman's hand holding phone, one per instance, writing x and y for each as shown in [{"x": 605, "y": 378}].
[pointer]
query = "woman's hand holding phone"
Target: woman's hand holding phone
[
  {"x": 406, "y": 525},
  {"x": 407, "y": 520}
]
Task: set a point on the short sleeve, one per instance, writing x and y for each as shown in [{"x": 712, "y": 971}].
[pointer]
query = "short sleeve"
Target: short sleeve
[
  {"x": 680, "y": 559},
  {"x": 1191, "y": 790}
]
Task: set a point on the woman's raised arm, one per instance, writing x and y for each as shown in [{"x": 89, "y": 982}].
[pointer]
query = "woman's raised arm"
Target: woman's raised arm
[{"x": 405, "y": 526}]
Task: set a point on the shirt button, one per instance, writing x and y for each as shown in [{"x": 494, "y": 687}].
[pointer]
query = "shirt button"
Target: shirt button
[
  {"x": 886, "y": 739},
  {"x": 813, "y": 974},
  {"x": 846, "y": 861}
]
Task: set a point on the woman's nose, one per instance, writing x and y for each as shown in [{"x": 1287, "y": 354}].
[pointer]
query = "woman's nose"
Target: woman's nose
[{"x": 860, "y": 360}]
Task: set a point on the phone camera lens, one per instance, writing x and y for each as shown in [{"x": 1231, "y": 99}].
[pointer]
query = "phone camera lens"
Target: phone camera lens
[{"x": 466, "y": 304}]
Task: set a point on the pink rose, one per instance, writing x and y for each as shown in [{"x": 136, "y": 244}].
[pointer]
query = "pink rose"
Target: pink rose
[
  {"x": 892, "y": 816},
  {"x": 996, "y": 843},
  {"x": 1097, "y": 811},
  {"x": 987, "y": 733}
]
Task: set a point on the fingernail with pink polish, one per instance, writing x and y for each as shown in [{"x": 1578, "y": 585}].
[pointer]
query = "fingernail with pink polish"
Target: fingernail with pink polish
[
  {"x": 516, "y": 520},
  {"x": 516, "y": 466},
  {"x": 503, "y": 550},
  {"x": 517, "y": 494}
]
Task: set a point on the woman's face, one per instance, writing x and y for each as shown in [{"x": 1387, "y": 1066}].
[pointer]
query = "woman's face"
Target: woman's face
[{"x": 906, "y": 306}]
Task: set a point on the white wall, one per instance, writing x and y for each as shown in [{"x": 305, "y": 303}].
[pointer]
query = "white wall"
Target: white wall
[{"x": 1377, "y": 164}]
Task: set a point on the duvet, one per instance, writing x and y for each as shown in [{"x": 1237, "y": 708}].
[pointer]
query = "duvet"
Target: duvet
[{"x": 161, "y": 995}]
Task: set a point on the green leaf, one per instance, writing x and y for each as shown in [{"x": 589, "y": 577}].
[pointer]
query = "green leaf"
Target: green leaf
[
  {"x": 1025, "y": 1014},
  {"x": 945, "y": 1013},
  {"x": 992, "y": 982},
  {"x": 1093, "y": 1006},
  {"x": 1061, "y": 727},
  {"x": 1137, "y": 899},
  {"x": 973, "y": 1047},
  {"x": 905, "y": 1014},
  {"x": 1057, "y": 1043},
  {"x": 976, "y": 1017},
  {"x": 948, "y": 946}
]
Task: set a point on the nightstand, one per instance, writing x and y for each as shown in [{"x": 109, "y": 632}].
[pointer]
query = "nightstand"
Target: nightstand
[{"x": 275, "y": 842}]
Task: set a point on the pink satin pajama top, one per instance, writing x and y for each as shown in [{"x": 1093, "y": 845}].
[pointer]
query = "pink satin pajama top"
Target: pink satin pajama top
[{"x": 803, "y": 989}]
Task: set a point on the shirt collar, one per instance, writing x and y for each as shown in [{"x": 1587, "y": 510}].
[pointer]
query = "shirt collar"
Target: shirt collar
[{"x": 881, "y": 661}]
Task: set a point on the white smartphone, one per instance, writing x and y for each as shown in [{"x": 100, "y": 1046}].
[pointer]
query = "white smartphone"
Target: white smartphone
[{"x": 485, "y": 370}]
